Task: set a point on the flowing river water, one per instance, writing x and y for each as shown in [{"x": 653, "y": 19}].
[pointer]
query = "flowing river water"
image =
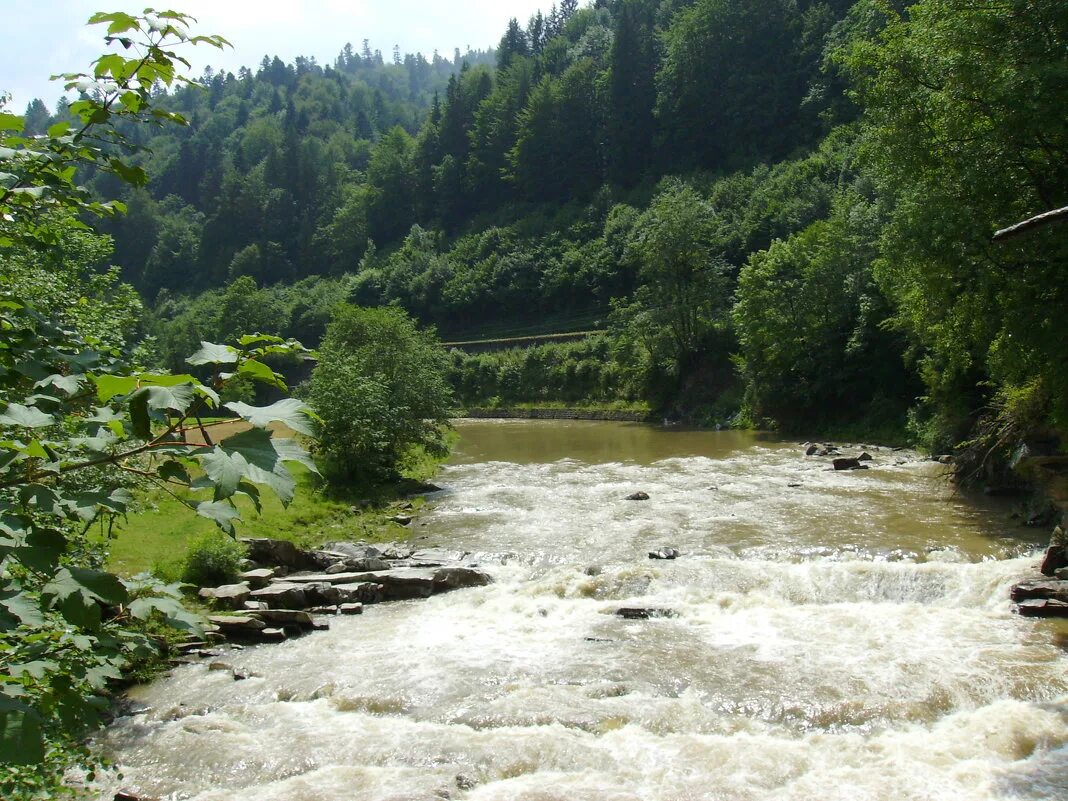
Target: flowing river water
[{"x": 838, "y": 636}]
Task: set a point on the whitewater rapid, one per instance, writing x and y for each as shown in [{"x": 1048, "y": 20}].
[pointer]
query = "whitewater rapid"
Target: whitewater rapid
[{"x": 836, "y": 636}]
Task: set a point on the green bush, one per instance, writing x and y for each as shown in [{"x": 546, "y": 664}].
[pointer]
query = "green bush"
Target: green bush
[
  {"x": 212, "y": 559},
  {"x": 381, "y": 392}
]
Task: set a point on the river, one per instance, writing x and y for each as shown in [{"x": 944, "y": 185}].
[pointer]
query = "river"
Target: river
[{"x": 838, "y": 636}]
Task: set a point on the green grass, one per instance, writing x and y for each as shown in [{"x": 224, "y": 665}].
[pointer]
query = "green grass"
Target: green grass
[{"x": 155, "y": 536}]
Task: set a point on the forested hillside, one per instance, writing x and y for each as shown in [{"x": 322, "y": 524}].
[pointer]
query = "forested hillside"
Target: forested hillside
[{"x": 781, "y": 208}]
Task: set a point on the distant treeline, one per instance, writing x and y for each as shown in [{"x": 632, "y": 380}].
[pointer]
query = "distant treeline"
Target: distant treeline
[{"x": 797, "y": 194}]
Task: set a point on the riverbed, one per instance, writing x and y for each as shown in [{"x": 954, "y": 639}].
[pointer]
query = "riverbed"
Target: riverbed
[{"x": 835, "y": 635}]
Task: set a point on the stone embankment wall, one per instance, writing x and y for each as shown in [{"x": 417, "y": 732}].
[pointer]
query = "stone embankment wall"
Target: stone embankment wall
[{"x": 555, "y": 414}]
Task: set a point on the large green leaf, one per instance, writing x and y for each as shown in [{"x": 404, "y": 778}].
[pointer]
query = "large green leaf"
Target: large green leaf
[
  {"x": 251, "y": 455},
  {"x": 17, "y": 608},
  {"x": 221, "y": 513},
  {"x": 68, "y": 384},
  {"x": 258, "y": 371},
  {"x": 290, "y": 412},
  {"x": 16, "y": 414},
  {"x": 77, "y": 593},
  {"x": 108, "y": 386},
  {"x": 21, "y": 742},
  {"x": 210, "y": 353}
]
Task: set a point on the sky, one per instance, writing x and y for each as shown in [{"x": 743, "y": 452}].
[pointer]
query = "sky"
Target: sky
[{"x": 40, "y": 38}]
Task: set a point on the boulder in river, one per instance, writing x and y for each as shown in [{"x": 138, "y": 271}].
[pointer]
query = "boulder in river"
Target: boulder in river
[
  {"x": 811, "y": 449},
  {"x": 1029, "y": 590},
  {"x": 1041, "y": 607},
  {"x": 1056, "y": 555},
  {"x": 644, "y": 613},
  {"x": 638, "y": 496},
  {"x": 846, "y": 463},
  {"x": 237, "y": 625},
  {"x": 457, "y": 578},
  {"x": 665, "y": 553}
]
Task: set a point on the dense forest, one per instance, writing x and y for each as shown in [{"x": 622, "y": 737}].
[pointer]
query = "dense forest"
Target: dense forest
[{"x": 779, "y": 212}]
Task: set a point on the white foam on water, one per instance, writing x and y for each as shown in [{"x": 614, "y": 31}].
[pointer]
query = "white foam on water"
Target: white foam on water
[{"x": 848, "y": 639}]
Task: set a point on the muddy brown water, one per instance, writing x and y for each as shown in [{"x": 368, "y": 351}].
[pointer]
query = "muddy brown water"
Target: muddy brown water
[{"x": 847, "y": 637}]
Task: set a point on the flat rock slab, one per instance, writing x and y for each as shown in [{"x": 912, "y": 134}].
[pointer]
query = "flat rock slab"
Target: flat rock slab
[
  {"x": 1042, "y": 608},
  {"x": 349, "y": 550},
  {"x": 404, "y": 584},
  {"x": 258, "y": 579},
  {"x": 285, "y": 617},
  {"x": 231, "y": 596},
  {"x": 282, "y": 596},
  {"x": 1038, "y": 590},
  {"x": 441, "y": 555},
  {"x": 228, "y": 624}
]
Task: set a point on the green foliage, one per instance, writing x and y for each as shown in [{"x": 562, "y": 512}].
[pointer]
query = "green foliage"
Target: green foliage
[
  {"x": 212, "y": 559},
  {"x": 571, "y": 373},
  {"x": 80, "y": 423},
  {"x": 380, "y": 391},
  {"x": 808, "y": 320},
  {"x": 963, "y": 135}
]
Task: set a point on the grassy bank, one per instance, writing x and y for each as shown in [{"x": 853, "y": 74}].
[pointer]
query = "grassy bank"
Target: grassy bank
[{"x": 156, "y": 536}]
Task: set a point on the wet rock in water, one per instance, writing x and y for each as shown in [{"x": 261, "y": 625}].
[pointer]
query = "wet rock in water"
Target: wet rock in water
[
  {"x": 865, "y": 457},
  {"x": 229, "y": 596},
  {"x": 638, "y": 496},
  {"x": 1029, "y": 590},
  {"x": 439, "y": 556},
  {"x": 323, "y": 610},
  {"x": 272, "y": 635},
  {"x": 644, "y": 613},
  {"x": 1043, "y": 608},
  {"x": 244, "y": 675},
  {"x": 794, "y": 485},
  {"x": 257, "y": 579},
  {"x": 351, "y": 609},
  {"x": 239, "y": 626},
  {"x": 847, "y": 464},
  {"x": 943, "y": 459},
  {"x": 128, "y": 795},
  {"x": 465, "y": 782},
  {"x": 282, "y": 596},
  {"x": 321, "y": 593},
  {"x": 286, "y": 618},
  {"x": 811, "y": 449},
  {"x": 458, "y": 578},
  {"x": 665, "y": 553},
  {"x": 402, "y": 520},
  {"x": 1056, "y": 556},
  {"x": 1061, "y": 573},
  {"x": 364, "y": 592},
  {"x": 593, "y": 570},
  {"x": 219, "y": 666},
  {"x": 320, "y": 625}
]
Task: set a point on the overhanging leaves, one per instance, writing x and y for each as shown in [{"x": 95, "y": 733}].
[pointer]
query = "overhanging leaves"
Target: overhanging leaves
[{"x": 290, "y": 412}]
